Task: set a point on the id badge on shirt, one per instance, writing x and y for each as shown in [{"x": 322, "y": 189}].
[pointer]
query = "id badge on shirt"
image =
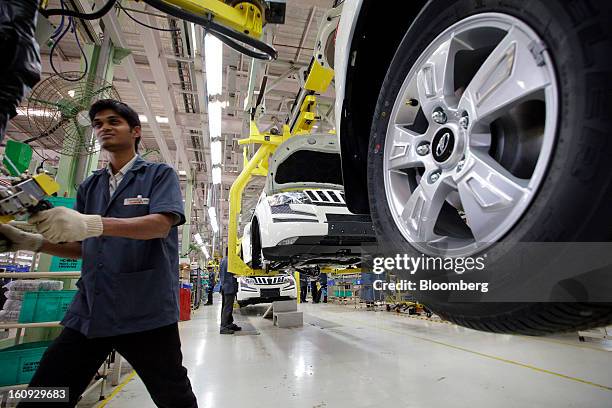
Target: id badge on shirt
[{"x": 140, "y": 200}]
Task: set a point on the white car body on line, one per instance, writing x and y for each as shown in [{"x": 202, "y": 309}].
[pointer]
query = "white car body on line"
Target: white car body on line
[
  {"x": 301, "y": 217},
  {"x": 265, "y": 289}
]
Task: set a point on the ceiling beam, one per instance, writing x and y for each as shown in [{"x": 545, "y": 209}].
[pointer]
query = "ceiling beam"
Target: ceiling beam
[
  {"x": 113, "y": 28},
  {"x": 200, "y": 124},
  {"x": 159, "y": 68},
  {"x": 305, "y": 34}
]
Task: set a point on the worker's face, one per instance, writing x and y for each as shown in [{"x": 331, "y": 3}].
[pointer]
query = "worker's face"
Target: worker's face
[{"x": 113, "y": 132}]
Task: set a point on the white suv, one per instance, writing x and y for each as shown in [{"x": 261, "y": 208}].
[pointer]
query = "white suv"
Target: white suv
[
  {"x": 265, "y": 289},
  {"x": 301, "y": 218}
]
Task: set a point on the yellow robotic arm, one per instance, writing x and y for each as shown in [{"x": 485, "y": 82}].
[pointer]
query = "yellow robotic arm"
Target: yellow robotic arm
[{"x": 239, "y": 24}]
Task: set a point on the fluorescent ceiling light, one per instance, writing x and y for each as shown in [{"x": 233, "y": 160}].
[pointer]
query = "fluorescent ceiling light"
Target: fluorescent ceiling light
[
  {"x": 205, "y": 251},
  {"x": 182, "y": 173},
  {"x": 216, "y": 175},
  {"x": 214, "y": 120},
  {"x": 36, "y": 112},
  {"x": 215, "y": 152},
  {"x": 212, "y": 214},
  {"x": 198, "y": 239},
  {"x": 158, "y": 119},
  {"x": 213, "y": 58},
  {"x": 194, "y": 39},
  {"x": 71, "y": 93}
]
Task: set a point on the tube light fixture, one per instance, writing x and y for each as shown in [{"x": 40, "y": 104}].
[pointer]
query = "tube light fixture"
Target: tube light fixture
[
  {"x": 205, "y": 251},
  {"x": 215, "y": 152},
  {"x": 212, "y": 214},
  {"x": 194, "y": 39},
  {"x": 216, "y": 175},
  {"x": 213, "y": 58},
  {"x": 214, "y": 119}
]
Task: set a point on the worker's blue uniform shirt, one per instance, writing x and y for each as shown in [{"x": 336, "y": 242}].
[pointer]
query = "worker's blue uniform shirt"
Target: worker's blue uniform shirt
[
  {"x": 128, "y": 285},
  {"x": 229, "y": 283}
]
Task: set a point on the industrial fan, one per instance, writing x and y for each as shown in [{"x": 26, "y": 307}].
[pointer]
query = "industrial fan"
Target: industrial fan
[{"x": 58, "y": 112}]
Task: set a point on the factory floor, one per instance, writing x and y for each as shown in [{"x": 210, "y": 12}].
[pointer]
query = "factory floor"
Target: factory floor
[{"x": 347, "y": 357}]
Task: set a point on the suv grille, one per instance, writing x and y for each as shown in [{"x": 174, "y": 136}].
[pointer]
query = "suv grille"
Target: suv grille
[
  {"x": 326, "y": 197},
  {"x": 269, "y": 280}
]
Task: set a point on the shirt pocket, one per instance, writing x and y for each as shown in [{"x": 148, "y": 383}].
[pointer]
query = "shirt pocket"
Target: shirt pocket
[
  {"x": 130, "y": 211},
  {"x": 139, "y": 295}
]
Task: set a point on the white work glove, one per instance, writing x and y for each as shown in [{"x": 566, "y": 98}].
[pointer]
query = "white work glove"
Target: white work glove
[
  {"x": 61, "y": 224},
  {"x": 13, "y": 239}
]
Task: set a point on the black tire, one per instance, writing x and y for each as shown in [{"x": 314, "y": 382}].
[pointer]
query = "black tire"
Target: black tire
[
  {"x": 573, "y": 203},
  {"x": 256, "y": 258}
]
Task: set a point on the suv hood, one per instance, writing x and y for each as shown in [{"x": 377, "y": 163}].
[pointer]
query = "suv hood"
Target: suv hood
[{"x": 305, "y": 161}]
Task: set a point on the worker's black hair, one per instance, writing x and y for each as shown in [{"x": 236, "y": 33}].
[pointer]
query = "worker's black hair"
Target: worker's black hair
[{"x": 121, "y": 109}]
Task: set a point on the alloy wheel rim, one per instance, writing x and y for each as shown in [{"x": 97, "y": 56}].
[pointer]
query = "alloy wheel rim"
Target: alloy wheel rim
[{"x": 470, "y": 135}]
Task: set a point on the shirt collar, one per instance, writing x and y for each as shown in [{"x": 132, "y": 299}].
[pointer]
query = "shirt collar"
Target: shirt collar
[{"x": 124, "y": 169}]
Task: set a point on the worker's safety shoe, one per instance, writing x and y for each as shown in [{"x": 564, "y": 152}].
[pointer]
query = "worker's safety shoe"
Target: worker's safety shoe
[
  {"x": 226, "y": 330},
  {"x": 234, "y": 327}
]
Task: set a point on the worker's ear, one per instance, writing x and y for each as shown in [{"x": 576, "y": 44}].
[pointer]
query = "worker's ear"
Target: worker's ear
[{"x": 136, "y": 131}]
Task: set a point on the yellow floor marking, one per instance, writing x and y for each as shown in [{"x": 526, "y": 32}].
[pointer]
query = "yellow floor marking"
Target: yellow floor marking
[{"x": 116, "y": 391}]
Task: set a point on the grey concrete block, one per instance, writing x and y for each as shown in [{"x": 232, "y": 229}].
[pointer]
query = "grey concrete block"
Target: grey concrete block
[
  {"x": 284, "y": 306},
  {"x": 288, "y": 319}
]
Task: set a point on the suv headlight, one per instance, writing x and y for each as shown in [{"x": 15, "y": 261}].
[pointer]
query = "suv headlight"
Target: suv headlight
[
  {"x": 293, "y": 197},
  {"x": 247, "y": 281},
  {"x": 288, "y": 241}
]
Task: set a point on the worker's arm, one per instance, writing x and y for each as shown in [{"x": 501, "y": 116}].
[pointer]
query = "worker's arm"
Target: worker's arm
[
  {"x": 70, "y": 250},
  {"x": 146, "y": 227},
  {"x": 14, "y": 239},
  {"x": 61, "y": 224}
]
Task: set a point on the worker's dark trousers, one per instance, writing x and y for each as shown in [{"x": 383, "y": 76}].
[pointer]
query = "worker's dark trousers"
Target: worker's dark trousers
[
  {"x": 227, "y": 308},
  {"x": 72, "y": 361},
  {"x": 303, "y": 292},
  {"x": 314, "y": 292},
  {"x": 210, "y": 298}
]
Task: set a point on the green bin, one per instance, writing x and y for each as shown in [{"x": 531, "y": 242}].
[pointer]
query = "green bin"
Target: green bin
[
  {"x": 45, "y": 306},
  {"x": 61, "y": 201},
  {"x": 17, "y": 157},
  {"x": 19, "y": 363}
]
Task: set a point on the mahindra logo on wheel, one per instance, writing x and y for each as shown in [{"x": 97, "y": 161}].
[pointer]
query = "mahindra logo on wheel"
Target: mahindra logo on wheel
[{"x": 443, "y": 144}]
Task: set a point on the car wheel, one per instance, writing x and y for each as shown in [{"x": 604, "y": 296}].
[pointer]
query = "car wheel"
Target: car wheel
[
  {"x": 256, "y": 251},
  {"x": 511, "y": 95}
]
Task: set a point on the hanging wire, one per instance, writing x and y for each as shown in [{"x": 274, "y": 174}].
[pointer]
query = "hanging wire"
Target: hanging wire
[
  {"x": 232, "y": 38},
  {"x": 144, "y": 24},
  {"x": 76, "y": 36},
  {"x": 85, "y": 16},
  {"x": 59, "y": 28},
  {"x": 70, "y": 27}
]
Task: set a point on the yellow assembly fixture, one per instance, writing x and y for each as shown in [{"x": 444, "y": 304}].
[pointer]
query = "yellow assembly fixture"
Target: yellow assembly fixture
[
  {"x": 245, "y": 17},
  {"x": 319, "y": 78},
  {"x": 256, "y": 166}
]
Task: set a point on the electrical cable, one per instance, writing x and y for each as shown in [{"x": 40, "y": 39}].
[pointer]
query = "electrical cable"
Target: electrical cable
[
  {"x": 76, "y": 36},
  {"x": 146, "y": 25},
  {"x": 232, "y": 38},
  {"x": 85, "y": 16},
  {"x": 70, "y": 27},
  {"x": 59, "y": 29}
]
